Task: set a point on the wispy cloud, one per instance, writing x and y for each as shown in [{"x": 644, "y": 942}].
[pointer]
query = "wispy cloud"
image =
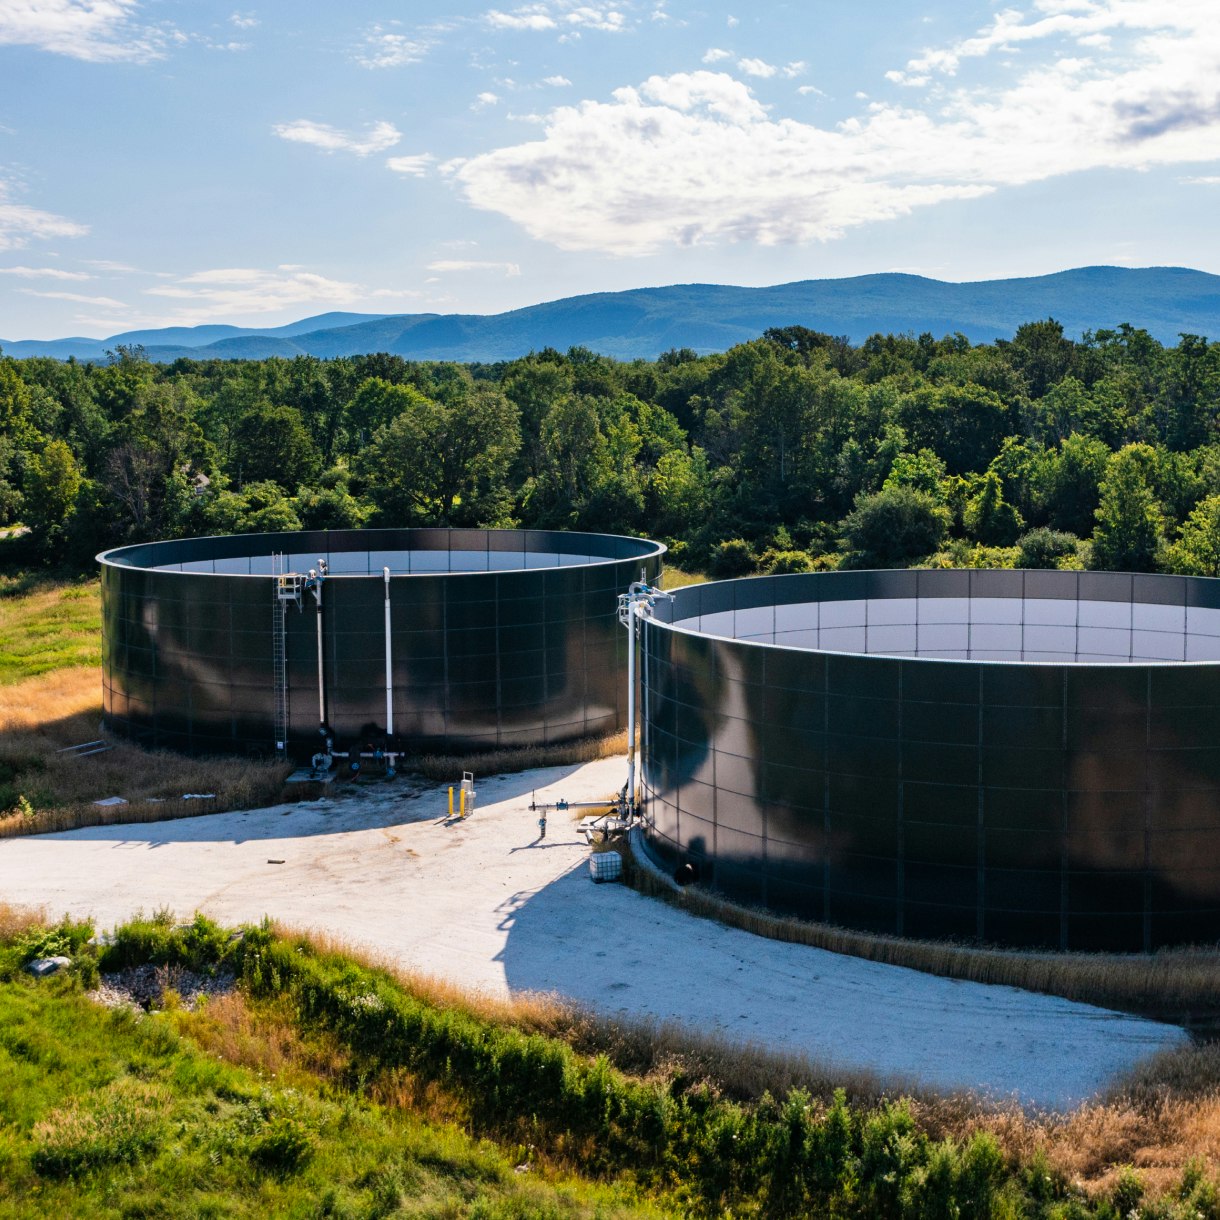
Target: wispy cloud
[
  {"x": 566, "y": 15},
  {"x": 44, "y": 273},
  {"x": 714, "y": 55},
  {"x": 20, "y": 224},
  {"x": 388, "y": 49},
  {"x": 556, "y": 82},
  {"x": 483, "y": 100},
  {"x": 98, "y": 31},
  {"x": 464, "y": 264},
  {"x": 231, "y": 291},
  {"x": 99, "y": 302},
  {"x": 760, "y": 67},
  {"x": 415, "y": 166},
  {"x": 244, "y": 21},
  {"x": 696, "y": 158},
  {"x": 533, "y": 17},
  {"x": 378, "y": 138}
]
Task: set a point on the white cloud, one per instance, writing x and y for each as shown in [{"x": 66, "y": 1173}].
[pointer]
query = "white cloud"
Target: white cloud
[
  {"x": 44, "y": 273},
  {"x": 462, "y": 264},
  {"x": 713, "y": 55},
  {"x": 386, "y": 49},
  {"x": 415, "y": 166},
  {"x": 695, "y": 158},
  {"x": 102, "y": 302},
  {"x": 244, "y": 21},
  {"x": 106, "y": 264},
  {"x": 590, "y": 18},
  {"x": 228, "y": 292},
  {"x": 1091, "y": 23},
  {"x": 557, "y": 82},
  {"x": 379, "y": 137},
  {"x": 533, "y": 18},
  {"x": 20, "y": 224},
  {"x": 757, "y": 67},
  {"x": 558, "y": 14},
  {"x": 732, "y": 21},
  {"x": 484, "y": 99},
  {"x": 1206, "y": 180},
  {"x": 98, "y": 31}
]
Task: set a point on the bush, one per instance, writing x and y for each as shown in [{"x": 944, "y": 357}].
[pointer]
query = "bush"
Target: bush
[
  {"x": 893, "y": 528},
  {"x": 199, "y": 945},
  {"x": 781, "y": 563},
  {"x": 735, "y": 557},
  {"x": 1045, "y": 548}
]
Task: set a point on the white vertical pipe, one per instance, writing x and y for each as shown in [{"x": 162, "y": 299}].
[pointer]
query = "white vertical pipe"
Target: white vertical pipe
[
  {"x": 321, "y": 680},
  {"x": 389, "y": 670},
  {"x": 631, "y": 703}
]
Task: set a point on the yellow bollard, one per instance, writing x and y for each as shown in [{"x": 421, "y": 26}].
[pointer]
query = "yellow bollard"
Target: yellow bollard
[
  {"x": 463, "y": 805},
  {"x": 451, "y": 800}
]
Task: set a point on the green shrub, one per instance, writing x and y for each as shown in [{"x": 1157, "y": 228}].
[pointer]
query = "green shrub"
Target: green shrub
[
  {"x": 1128, "y": 1191},
  {"x": 734, "y": 557},
  {"x": 781, "y": 563},
  {"x": 200, "y": 945},
  {"x": 1045, "y": 548}
]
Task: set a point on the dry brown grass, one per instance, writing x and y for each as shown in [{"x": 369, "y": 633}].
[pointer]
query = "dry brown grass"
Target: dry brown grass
[
  {"x": 524, "y": 758},
  {"x": 262, "y": 1038},
  {"x": 1181, "y": 985},
  {"x": 14, "y": 921},
  {"x": 42, "y": 715}
]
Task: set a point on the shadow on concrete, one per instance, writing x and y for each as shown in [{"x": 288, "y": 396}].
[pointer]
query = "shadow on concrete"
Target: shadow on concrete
[{"x": 408, "y": 799}]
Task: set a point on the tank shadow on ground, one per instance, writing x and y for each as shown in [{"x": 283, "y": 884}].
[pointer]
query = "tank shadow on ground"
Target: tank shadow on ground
[
  {"x": 399, "y": 802},
  {"x": 619, "y": 953}
]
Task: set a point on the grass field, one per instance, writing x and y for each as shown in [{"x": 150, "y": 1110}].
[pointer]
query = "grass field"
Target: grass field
[
  {"x": 51, "y": 698},
  {"x": 234, "y": 1111},
  {"x": 47, "y": 626},
  {"x": 326, "y": 1086}
]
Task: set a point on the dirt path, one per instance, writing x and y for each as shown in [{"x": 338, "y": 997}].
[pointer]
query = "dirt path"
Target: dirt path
[{"x": 485, "y": 904}]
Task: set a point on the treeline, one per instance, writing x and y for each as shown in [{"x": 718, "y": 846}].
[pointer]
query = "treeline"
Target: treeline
[{"x": 793, "y": 452}]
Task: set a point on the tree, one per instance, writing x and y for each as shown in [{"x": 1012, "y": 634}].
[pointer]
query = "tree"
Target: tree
[
  {"x": 1067, "y": 483},
  {"x": 374, "y": 405},
  {"x": 1042, "y": 354},
  {"x": 444, "y": 463},
  {"x": 1129, "y": 531},
  {"x": 329, "y": 508},
  {"x": 1197, "y": 550},
  {"x": 964, "y": 425},
  {"x": 988, "y": 518},
  {"x": 52, "y": 483},
  {"x": 272, "y": 444},
  {"x": 892, "y": 528}
]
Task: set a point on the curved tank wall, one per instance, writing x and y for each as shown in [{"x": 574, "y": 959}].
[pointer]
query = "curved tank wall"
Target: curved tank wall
[
  {"x": 1019, "y": 758},
  {"x": 498, "y": 638}
]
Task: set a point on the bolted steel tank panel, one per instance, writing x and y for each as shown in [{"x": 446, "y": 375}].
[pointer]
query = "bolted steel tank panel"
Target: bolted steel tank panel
[{"x": 1018, "y": 758}]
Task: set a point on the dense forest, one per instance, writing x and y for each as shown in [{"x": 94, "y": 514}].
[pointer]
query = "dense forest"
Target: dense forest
[{"x": 794, "y": 452}]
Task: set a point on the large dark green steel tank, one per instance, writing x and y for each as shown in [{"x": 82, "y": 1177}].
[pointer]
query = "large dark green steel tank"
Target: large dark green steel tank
[
  {"x": 497, "y": 638},
  {"x": 1017, "y": 758}
]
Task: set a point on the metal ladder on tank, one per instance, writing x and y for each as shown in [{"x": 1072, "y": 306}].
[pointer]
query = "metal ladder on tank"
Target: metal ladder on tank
[{"x": 287, "y": 587}]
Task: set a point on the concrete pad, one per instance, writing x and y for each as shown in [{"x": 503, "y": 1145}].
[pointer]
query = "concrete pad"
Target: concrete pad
[{"x": 486, "y": 904}]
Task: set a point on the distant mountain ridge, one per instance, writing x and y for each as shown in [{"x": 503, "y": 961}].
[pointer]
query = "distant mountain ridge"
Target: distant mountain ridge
[{"x": 643, "y": 322}]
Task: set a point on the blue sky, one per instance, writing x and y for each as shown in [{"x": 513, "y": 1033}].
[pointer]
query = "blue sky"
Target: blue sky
[{"x": 172, "y": 163}]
